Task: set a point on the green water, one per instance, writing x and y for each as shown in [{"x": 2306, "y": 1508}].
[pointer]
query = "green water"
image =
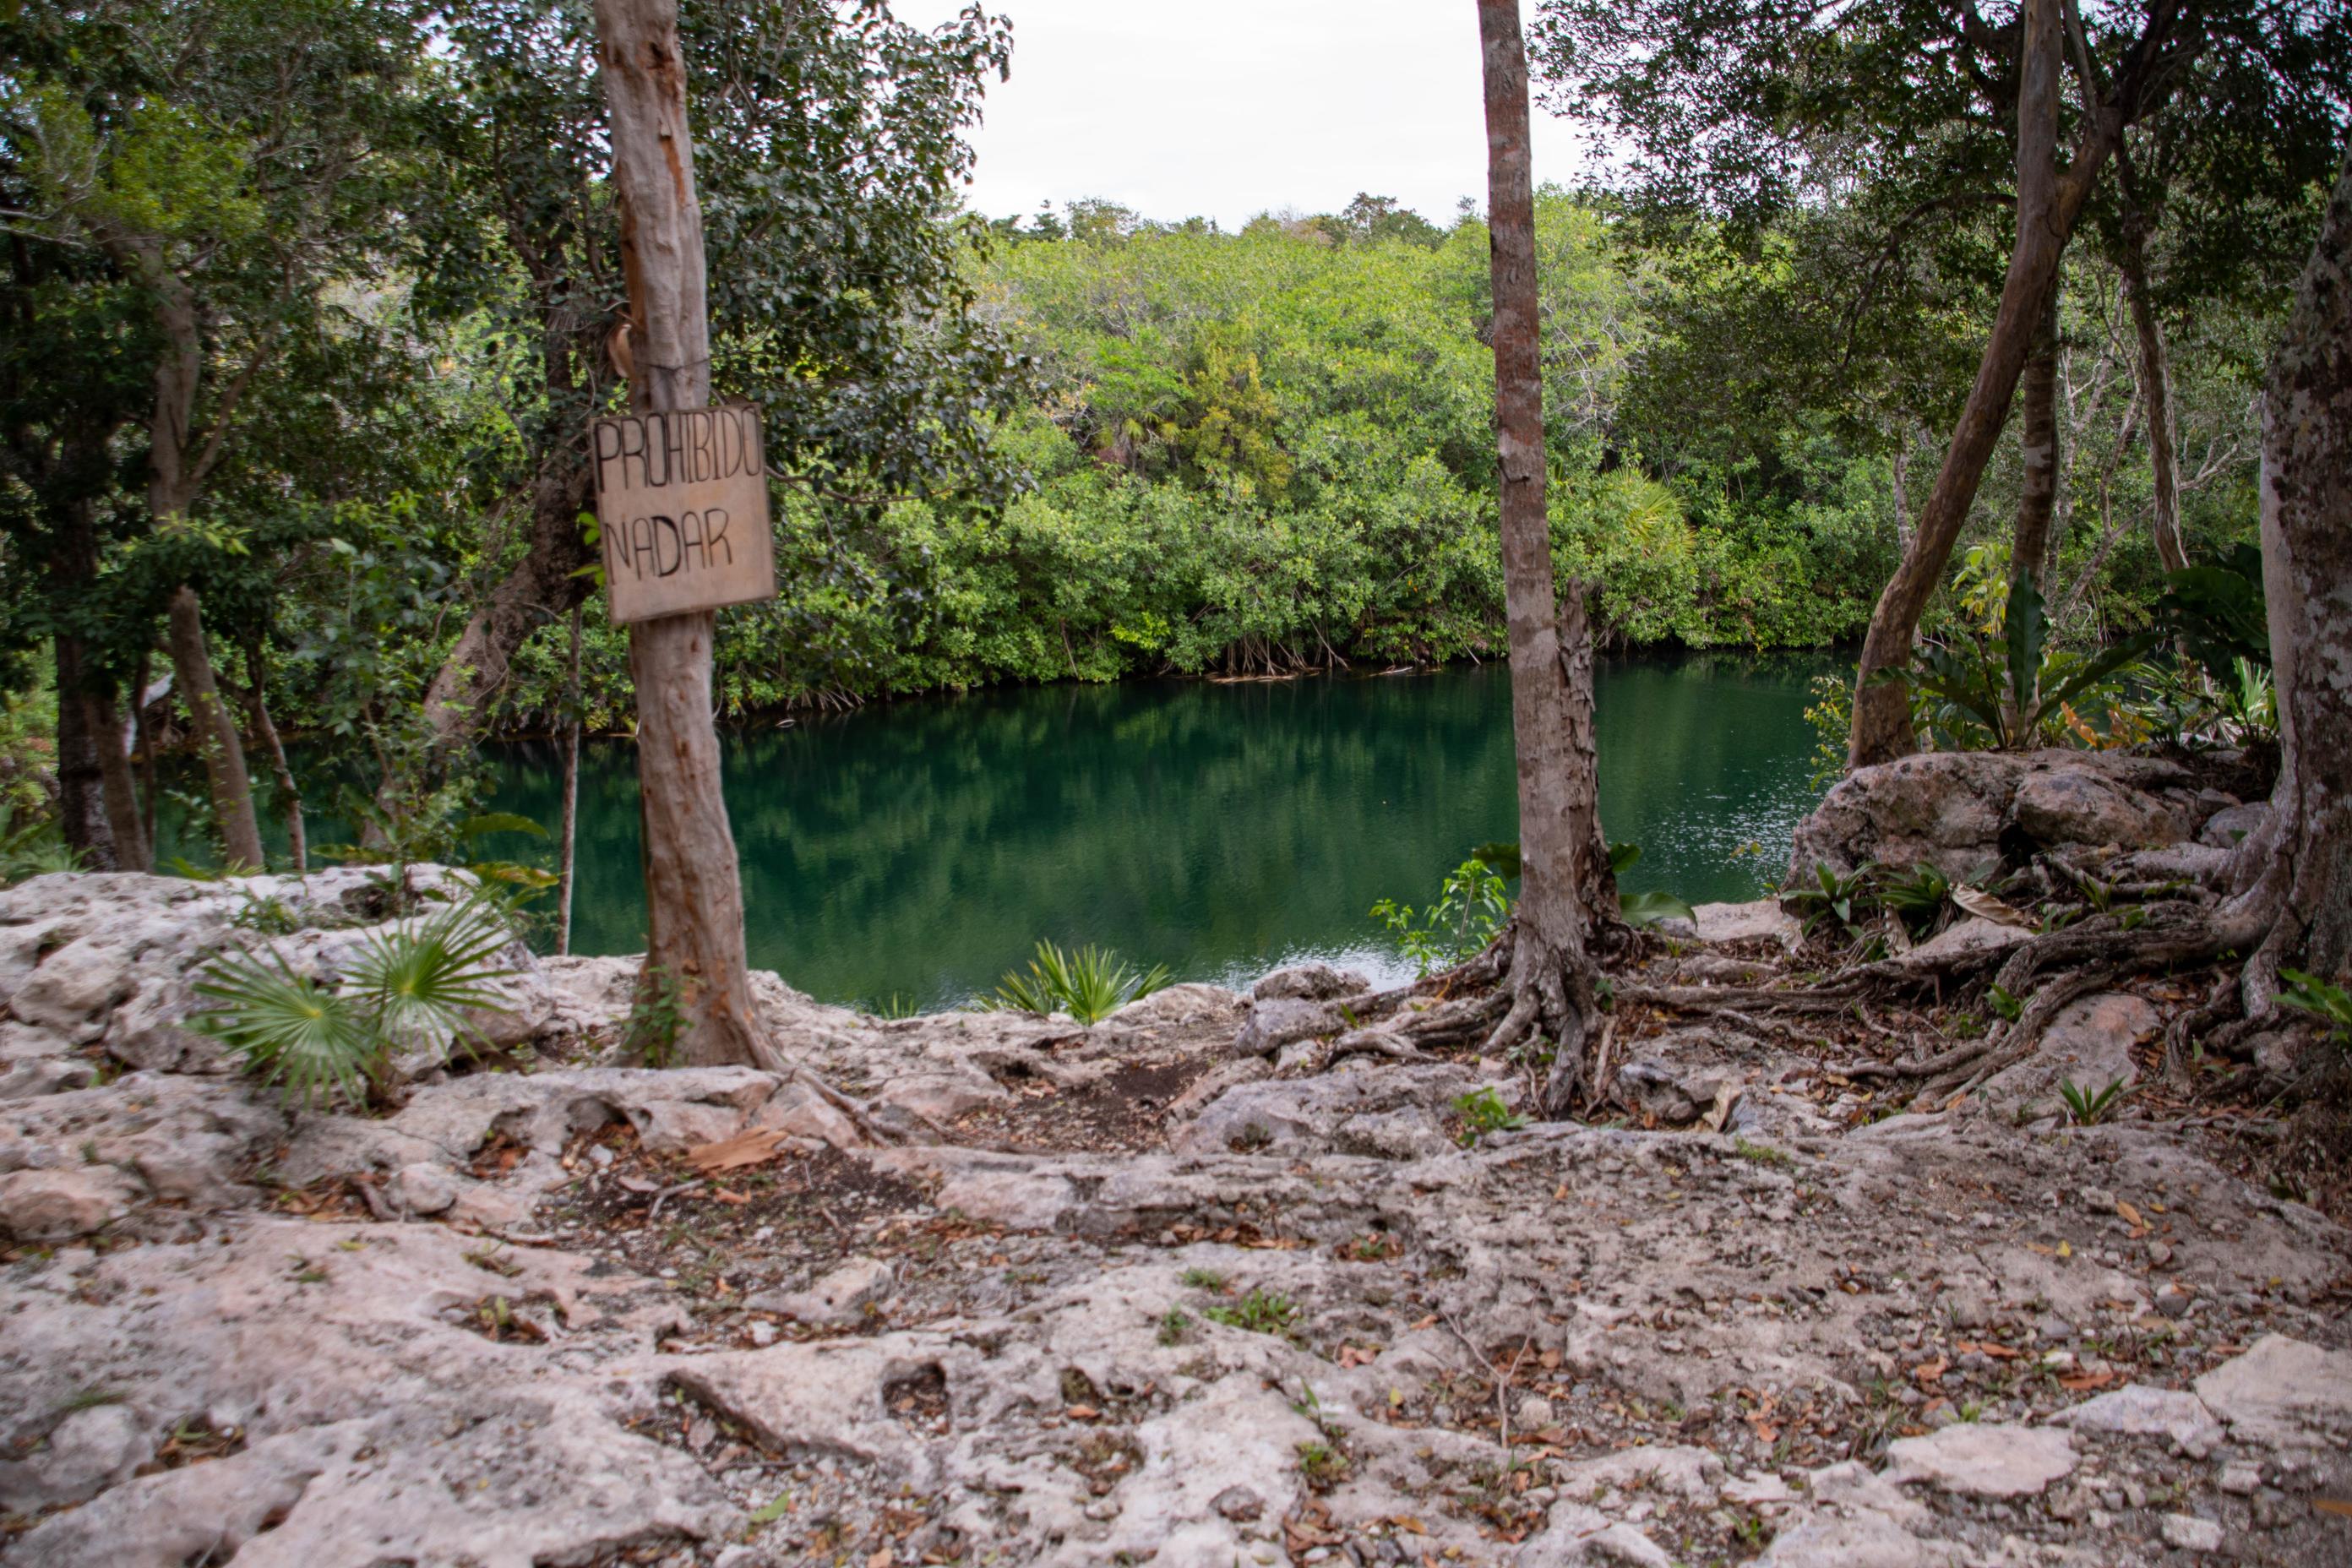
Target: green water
[{"x": 917, "y": 849}]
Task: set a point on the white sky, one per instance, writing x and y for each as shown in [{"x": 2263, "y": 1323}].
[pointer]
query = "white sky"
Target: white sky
[{"x": 1224, "y": 109}]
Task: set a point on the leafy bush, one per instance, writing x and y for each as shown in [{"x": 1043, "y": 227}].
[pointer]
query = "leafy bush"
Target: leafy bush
[
  {"x": 406, "y": 986},
  {"x": 1472, "y": 904},
  {"x": 1976, "y": 694},
  {"x": 33, "y": 849},
  {"x": 1089, "y": 984},
  {"x": 1483, "y": 1111},
  {"x": 2329, "y": 1003},
  {"x": 1260, "y": 1313}
]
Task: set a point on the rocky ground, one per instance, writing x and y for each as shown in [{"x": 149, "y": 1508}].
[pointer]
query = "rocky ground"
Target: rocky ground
[{"x": 1135, "y": 1293}]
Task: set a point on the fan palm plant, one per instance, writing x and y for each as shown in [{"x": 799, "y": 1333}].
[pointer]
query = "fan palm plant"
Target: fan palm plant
[
  {"x": 408, "y": 986},
  {"x": 1089, "y": 984}
]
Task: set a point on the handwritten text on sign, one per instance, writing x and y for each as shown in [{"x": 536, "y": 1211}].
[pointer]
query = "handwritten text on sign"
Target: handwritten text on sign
[{"x": 682, "y": 499}]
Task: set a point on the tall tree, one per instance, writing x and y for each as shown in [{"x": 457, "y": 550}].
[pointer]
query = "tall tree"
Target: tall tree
[
  {"x": 1562, "y": 861},
  {"x": 694, "y": 888},
  {"x": 833, "y": 146},
  {"x": 1906, "y": 117},
  {"x": 2299, "y": 865}
]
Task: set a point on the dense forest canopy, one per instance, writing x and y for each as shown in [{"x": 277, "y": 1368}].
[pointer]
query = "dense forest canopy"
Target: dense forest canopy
[{"x": 307, "y": 306}]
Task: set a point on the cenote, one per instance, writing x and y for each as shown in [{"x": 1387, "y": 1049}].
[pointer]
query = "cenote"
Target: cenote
[{"x": 910, "y": 852}]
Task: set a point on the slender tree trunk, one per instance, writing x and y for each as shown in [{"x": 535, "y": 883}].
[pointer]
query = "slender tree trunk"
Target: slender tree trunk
[
  {"x": 2047, "y": 207},
  {"x": 1550, "y": 645},
  {"x": 694, "y": 894},
  {"x": 215, "y": 732},
  {"x": 2038, "y": 447},
  {"x": 1902, "y": 492},
  {"x": 143, "y": 742},
  {"x": 289, "y": 797},
  {"x": 569, "y": 832},
  {"x": 83, "y": 816},
  {"x": 2303, "y": 863},
  {"x": 131, "y": 850},
  {"x": 2156, "y": 394}
]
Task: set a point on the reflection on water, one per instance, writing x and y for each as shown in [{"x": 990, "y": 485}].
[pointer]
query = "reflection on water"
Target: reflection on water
[{"x": 918, "y": 849}]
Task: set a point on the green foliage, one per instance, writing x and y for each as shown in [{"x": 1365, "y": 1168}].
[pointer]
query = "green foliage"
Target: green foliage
[
  {"x": 1483, "y": 1111},
  {"x": 1472, "y": 904},
  {"x": 656, "y": 1017},
  {"x": 1089, "y": 984},
  {"x": 2018, "y": 692},
  {"x": 1203, "y": 1279},
  {"x": 407, "y": 987},
  {"x": 1261, "y": 1311},
  {"x": 32, "y": 849},
  {"x": 2323, "y": 999},
  {"x": 2088, "y": 1107},
  {"x": 1918, "y": 896},
  {"x": 2216, "y": 610},
  {"x": 1174, "y": 1323}
]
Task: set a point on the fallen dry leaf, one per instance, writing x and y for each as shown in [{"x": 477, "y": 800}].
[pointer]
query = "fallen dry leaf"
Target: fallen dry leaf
[
  {"x": 1082, "y": 1413},
  {"x": 1929, "y": 1372},
  {"x": 2127, "y": 1213},
  {"x": 2084, "y": 1381},
  {"x": 756, "y": 1147}
]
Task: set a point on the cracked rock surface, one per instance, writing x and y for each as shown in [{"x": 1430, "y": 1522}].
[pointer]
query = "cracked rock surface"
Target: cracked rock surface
[{"x": 1075, "y": 1296}]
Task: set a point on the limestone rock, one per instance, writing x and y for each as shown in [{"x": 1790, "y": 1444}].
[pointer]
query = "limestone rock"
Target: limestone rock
[
  {"x": 1951, "y": 809},
  {"x": 421, "y": 1188},
  {"x": 1760, "y": 920},
  {"x": 2137, "y": 1410},
  {"x": 1998, "y": 1461},
  {"x": 1575, "y": 1535},
  {"x": 74, "y": 990},
  {"x": 840, "y": 1298},
  {"x": 1276, "y": 1021},
  {"x": 2191, "y": 1533},
  {"x": 1312, "y": 982},
  {"x": 1292, "y": 1115},
  {"x": 88, "y": 1451},
  {"x": 2282, "y": 1391},
  {"x": 1190, "y": 1003},
  {"x": 2089, "y": 1043},
  {"x": 1692, "y": 1474},
  {"x": 2226, "y": 828},
  {"x": 57, "y": 1206}
]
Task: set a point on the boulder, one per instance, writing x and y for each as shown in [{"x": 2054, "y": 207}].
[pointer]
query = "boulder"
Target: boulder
[
  {"x": 1396, "y": 1110},
  {"x": 2227, "y": 826},
  {"x": 1959, "y": 811},
  {"x": 94, "y": 1448}
]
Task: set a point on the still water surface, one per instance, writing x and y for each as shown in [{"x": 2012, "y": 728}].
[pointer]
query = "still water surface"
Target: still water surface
[{"x": 916, "y": 850}]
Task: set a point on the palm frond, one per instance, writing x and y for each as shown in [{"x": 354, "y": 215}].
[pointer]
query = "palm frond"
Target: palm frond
[{"x": 287, "y": 1029}]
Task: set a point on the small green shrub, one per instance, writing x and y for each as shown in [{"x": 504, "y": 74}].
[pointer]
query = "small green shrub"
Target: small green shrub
[
  {"x": 2085, "y": 1108},
  {"x": 404, "y": 988},
  {"x": 1173, "y": 1325},
  {"x": 32, "y": 849},
  {"x": 1761, "y": 1153},
  {"x": 1322, "y": 1465},
  {"x": 1483, "y": 1111},
  {"x": 656, "y": 1017},
  {"x": 1473, "y": 902},
  {"x": 1089, "y": 984},
  {"x": 2330, "y": 1004},
  {"x": 1203, "y": 1279},
  {"x": 1260, "y": 1313}
]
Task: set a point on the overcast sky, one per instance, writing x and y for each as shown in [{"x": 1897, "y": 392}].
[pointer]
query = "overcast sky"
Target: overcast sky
[{"x": 1224, "y": 109}]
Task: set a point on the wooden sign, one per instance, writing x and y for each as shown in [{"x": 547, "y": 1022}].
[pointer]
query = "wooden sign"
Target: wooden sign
[{"x": 682, "y": 501}]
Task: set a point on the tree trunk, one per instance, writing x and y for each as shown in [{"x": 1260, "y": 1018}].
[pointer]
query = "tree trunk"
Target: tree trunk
[
  {"x": 131, "y": 850},
  {"x": 83, "y": 816},
  {"x": 544, "y": 585},
  {"x": 693, "y": 896},
  {"x": 568, "y": 831},
  {"x": 289, "y": 797},
  {"x": 215, "y": 733},
  {"x": 1551, "y": 646},
  {"x": 2303, "y": 863},
  {"x": 1902, "y": 493},
  {"x": 2038, "y": 448},
  {"x": 143, "y": 744},
  {"x": 2047, "y": 207},
  {"x": 2155, "y": 395}
]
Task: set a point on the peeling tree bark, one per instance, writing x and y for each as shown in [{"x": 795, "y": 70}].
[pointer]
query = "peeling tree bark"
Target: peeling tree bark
[
  {"x": 2301, "y": 864},
  {"x": 1560, "y": 855},
  {"x": 132, "y": 852},
  {"x": 694, "y": 898},
  {"x": 215, "y": 732}
]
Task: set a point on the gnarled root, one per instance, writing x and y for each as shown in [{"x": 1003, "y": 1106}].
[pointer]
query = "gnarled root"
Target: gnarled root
[{"x": 1550, "y": 996}]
